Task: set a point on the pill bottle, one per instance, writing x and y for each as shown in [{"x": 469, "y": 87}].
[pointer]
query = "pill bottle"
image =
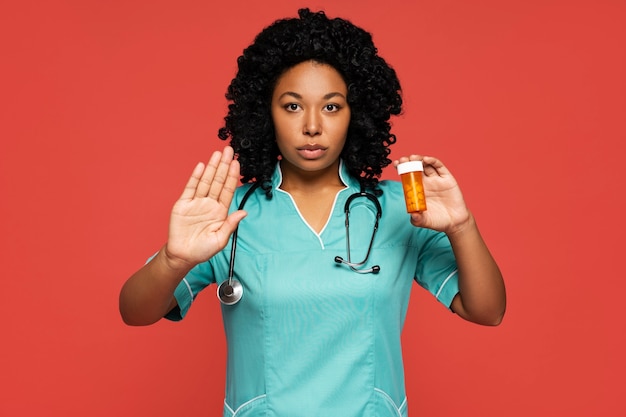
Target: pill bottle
[{"x": 411, "y": 176}]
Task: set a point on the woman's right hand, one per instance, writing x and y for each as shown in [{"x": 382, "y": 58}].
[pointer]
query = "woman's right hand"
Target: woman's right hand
[{"x": 200, "y": 225}]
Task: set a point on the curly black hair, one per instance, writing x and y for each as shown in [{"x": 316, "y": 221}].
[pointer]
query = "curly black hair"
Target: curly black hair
[{"x": 374, "y": 94}]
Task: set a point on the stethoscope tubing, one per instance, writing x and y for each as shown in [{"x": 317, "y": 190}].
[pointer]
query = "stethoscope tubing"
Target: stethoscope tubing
[
  {"x": 230, "y": 291},
  {"x": 379, "y": 211}
]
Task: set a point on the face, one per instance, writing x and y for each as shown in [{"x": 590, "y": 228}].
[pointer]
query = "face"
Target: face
[{"x": 311, "y": 117}]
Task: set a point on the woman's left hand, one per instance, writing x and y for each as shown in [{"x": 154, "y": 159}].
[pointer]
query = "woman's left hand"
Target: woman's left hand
[{"x": 446, "y": 210}]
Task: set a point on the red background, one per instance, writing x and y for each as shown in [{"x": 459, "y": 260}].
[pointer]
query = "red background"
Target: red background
[{"x": 107, "y": 106}]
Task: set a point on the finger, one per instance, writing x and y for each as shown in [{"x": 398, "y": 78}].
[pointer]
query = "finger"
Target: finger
[
  {"x": 433, "y": 166},
  {"x": 229, "y": 226},
  {"x": 230, "y": 185},
  {"x": 417, "y": 219},
  {"x": 407, "y": 159},
  {"x": 192, "y": 183},
  {"x": 206, "y": 179},
  {"x": 221, "y": 173}
]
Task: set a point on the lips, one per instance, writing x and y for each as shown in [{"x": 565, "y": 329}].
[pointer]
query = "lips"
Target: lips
[{"x": 311, "y": 151}]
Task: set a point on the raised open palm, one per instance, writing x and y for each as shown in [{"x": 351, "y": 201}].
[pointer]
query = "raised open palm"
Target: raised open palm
[{"x": 200, "y": 225}]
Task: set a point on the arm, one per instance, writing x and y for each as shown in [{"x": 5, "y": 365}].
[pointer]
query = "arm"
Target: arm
[
  {"x": 199, "y": 228},
  {"x": 482, "y": 297}
]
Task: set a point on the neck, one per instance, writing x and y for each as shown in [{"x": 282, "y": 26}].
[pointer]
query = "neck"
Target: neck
[{"x": 297, "y": 180}]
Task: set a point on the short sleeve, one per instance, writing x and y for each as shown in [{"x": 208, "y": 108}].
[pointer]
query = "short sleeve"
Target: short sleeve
[
  {"x": 195, "y": 281},
  {"x": 436, "y": 268}
]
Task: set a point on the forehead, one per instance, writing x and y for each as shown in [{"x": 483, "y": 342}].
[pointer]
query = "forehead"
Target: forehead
[{"x": 311, "y": 77}]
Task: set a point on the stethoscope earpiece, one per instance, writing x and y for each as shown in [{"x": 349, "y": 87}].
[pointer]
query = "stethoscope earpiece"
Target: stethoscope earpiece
[
  {"x": 354, "y": 266},
  {"x": 357, "y": 266}
]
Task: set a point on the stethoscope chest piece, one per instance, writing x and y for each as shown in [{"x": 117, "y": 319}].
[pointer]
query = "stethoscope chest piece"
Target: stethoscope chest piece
[{"x": 230, "y": 291}]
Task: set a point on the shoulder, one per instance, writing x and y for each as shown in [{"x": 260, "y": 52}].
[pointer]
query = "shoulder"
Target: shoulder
[
  {"x": 391, "y": 193},
  {"x": 392, "y": 202},
  {"x": 396, "y": 217},
  {"x": 243, "y": 194},
  {"x": 390, "y": 184}
]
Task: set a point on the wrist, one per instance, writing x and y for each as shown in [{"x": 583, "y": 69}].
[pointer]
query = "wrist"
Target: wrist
[
  {"x": 462, "y": 228},
  {"x": 174, "y": 263}
]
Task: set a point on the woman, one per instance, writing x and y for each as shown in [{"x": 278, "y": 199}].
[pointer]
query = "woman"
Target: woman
[{"x": 317, "y": 328}]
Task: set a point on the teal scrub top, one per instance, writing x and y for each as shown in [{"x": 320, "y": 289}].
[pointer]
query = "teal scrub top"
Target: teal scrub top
[{"x": 311, "y": 337}]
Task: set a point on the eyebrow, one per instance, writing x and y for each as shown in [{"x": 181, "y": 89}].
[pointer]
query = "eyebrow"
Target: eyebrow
[{"x": 299, "y": 97}]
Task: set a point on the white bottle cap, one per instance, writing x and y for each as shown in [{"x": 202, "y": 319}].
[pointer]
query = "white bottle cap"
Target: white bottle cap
[{"x": 410, "y": 166}]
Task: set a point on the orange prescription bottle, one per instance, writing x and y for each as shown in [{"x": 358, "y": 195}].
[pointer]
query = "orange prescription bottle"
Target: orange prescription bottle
[{"x": 411, "y": 176}]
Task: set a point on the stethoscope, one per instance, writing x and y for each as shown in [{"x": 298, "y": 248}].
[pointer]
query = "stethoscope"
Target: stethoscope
[{"x": 230, "y": 291}]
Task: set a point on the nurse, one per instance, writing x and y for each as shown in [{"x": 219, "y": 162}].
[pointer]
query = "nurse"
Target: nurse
[{"x": 308, "y": 122}]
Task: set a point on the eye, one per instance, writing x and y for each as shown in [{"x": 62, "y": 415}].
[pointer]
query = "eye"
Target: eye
[
  {"x": 292, "y": 107},
  {"x": 331, "y": 108}
]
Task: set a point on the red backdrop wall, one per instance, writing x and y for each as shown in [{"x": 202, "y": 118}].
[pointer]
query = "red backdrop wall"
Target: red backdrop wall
[{"x": 106, "y": 107}]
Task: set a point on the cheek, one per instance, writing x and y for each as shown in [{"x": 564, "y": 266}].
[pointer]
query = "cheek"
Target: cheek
[
  {"x": 281, "y": 135},
  {"x": 341, "y": 127},
  {"x": 282, "y": 125}
]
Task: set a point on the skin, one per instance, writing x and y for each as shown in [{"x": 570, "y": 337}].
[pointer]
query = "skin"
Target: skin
[
  {"x": 482, "y": 296},
  {"x": 199, "y": 228},
  {"x": 311, "y": 118}
]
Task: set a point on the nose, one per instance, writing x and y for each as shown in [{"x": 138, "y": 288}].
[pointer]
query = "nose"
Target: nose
[{"x": 312, "y": 124}]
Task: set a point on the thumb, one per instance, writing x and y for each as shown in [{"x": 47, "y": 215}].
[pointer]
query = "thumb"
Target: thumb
[
  {"x": 232, "y": 221},
  {"x": 418, "y": 219},
  {"x": 228, "y": 227}
]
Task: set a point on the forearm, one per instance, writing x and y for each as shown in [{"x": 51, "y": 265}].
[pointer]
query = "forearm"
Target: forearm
[
  {"x": 482, "y": 296},
  {"x": 149, "y": 293}
]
